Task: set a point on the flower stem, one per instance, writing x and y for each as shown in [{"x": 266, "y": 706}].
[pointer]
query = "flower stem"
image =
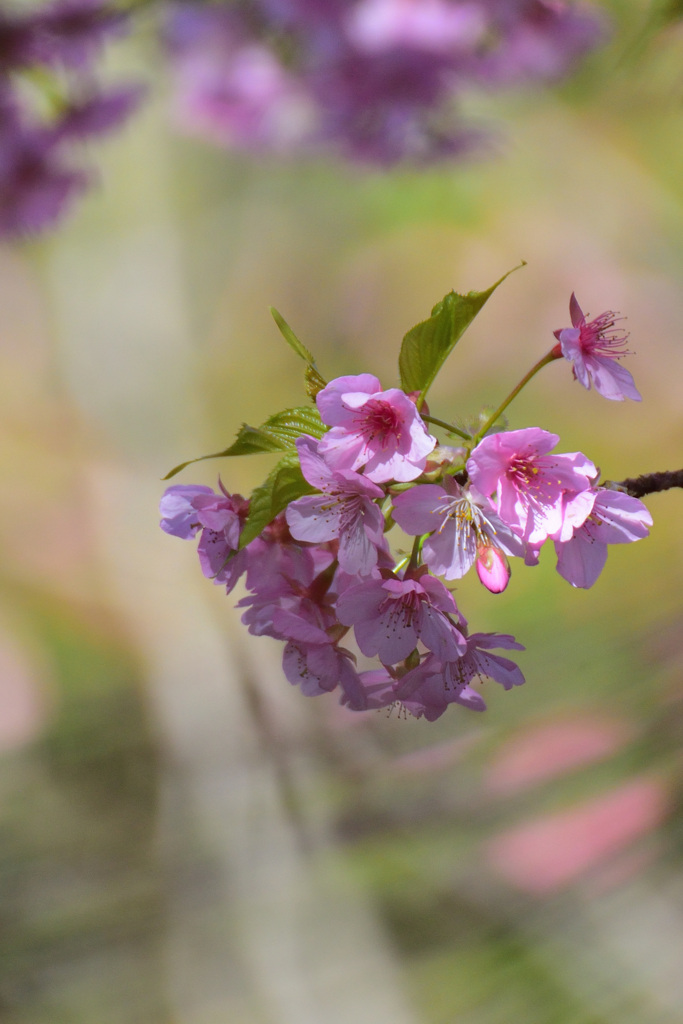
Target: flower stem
[
  {"x": 416, "y": 553},
  {"x": 447, "y": 426},
  {"x": 548, "y": 358}
]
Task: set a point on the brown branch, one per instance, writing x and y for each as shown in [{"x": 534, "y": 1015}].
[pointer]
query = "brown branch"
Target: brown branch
[{"x": 649, "y": 483}]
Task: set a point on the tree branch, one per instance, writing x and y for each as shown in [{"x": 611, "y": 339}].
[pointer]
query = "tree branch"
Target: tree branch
[{"x": 649, "y": 483}]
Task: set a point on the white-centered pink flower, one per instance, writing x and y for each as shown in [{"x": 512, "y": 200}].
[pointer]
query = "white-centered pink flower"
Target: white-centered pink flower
[
  {"x": 463, "y": 529},
  {"x": 345, "y": 510},
  {"x": 538, "y": 495},
  {"x": 379, "y": 431},
  {"x": 593, "y": 347}
]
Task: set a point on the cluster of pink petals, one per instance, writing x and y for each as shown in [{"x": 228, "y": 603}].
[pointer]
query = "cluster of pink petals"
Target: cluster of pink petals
[
  {"x": 321, "y": 577},
  {"x": 554, "y": 497},
  {"x": 321, "y": 574}
]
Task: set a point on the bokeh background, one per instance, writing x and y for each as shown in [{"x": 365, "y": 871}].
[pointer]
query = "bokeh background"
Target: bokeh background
[{"x": 184, "y": 838}]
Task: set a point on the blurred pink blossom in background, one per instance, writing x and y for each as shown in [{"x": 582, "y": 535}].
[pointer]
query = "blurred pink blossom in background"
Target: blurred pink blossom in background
[{"x": 549, "y": 852}]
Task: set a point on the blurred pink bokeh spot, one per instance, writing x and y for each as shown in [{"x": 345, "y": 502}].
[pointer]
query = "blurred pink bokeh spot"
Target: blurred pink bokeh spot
[
  {"x": 547, "y": 750},
  {"x": 22, "y": 697},
  {"x": 548, "y": 853}
]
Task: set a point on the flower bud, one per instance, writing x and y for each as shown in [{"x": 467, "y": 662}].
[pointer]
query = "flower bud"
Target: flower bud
[{"x": 492, "y": 568}]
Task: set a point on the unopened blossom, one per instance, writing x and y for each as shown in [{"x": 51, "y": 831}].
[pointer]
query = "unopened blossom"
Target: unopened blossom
[
  {"x": 435, "y": 683},
  {"x": 536, "y": 493},
  {"x": 616, "y": 518},
  {"x": 379, "y": 431},
  {"x": 593, "y": 347},
  {"x": 462, "y": 530},
  {"x": 493, "y": 568},
  {"x": 390, "y": 616},
  {"x": 346, "y": 510}
]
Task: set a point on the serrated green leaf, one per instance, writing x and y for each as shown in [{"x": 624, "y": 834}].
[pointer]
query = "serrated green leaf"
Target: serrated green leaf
[
  {"x": 314, "y": 382},
  {"x": 277, "y": 434},
  {"x": 426, "y": 346},
  {"x": 284, "y": 484}
]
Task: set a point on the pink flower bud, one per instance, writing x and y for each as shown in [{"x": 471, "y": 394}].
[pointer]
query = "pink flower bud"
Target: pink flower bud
[{"x": 492, "y": 568}]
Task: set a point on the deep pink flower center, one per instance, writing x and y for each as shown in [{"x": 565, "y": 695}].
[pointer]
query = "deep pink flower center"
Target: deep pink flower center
[
  {"x": 533, "y": 482},
  {"x": 379, "y": 422},
  {"x": 599, "y": 338},
  {"x": 523, "y": 473}
]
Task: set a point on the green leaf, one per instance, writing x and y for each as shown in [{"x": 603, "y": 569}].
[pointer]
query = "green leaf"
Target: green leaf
[
  {"x": 426, "y": 347},
  {"x": 283, "y": 485},
  {"x": 314, "y": 381},
  {"x": 277, "y": 434},
  {"x": 290, "y": 337}
]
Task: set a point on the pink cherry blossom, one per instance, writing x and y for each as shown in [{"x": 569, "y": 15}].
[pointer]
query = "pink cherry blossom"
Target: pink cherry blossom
[
  {"x": 429, "y": 688},
  {"x": 534, "y": 492},
  {"x": 313, "y": 661},
  {"x": 461, "y": 528},
  {"x": 379, "y": 430},
  {"x": 390, "y": 616},
  {"x": 616, "y": 518},
  {"x": 185, "y": 510},
  {"x": 345, "y": 510},
  {"x": 593, "y": 348},
  {"x": 178, "y": 512}
]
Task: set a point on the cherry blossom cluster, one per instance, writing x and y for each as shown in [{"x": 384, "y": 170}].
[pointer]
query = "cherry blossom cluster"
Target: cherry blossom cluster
[
  {"x": 321, "y": 575},
  {"x": 375, "y": 80},
  {"x": 50, "y": 104}
]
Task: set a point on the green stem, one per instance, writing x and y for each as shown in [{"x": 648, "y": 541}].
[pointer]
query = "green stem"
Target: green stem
[
  {"x": 548, "y": 358},
  {"x": 447, "y": 426},
  {"x": 415, "y": 553}
]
